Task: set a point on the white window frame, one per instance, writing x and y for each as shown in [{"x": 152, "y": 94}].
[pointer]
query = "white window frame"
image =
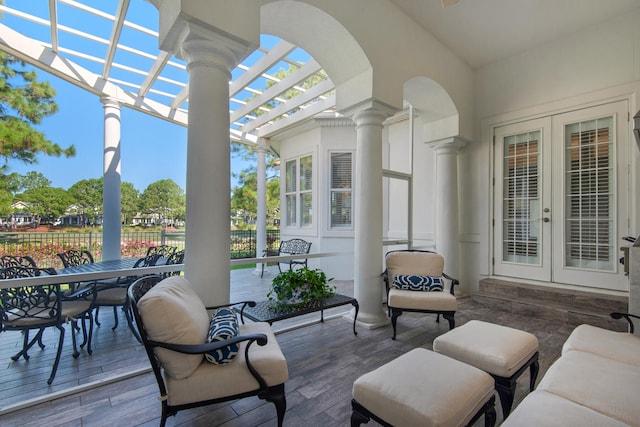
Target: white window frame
[
  {"x": 332, "y": 190},
  {"x": 297, "y": 192}
]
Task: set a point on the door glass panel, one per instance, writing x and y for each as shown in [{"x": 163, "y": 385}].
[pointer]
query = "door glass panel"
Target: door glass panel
[
  {"x": 589, "y": 197},
  {"x": 521, "y": 210}
]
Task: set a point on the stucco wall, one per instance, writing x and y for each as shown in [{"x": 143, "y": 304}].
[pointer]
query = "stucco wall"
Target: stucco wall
[{"x": 583, "y": 68}]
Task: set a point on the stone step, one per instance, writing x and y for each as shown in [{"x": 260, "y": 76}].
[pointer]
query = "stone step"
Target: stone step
[{"x": 566, "y": 305}]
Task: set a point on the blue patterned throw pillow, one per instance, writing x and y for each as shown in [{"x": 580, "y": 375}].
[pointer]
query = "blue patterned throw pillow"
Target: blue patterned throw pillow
[
  {"x": 417, "y": 283},
  {"x": 223, "y": 326}
]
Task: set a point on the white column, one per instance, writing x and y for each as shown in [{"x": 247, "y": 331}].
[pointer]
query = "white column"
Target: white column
[
  {"x": 261, "y": 220},
  {"x": 368, "y": 288},
  {"x": 111, "y": 217},
  {"x": 208, "y": 170},
  {"x": 447, "y": 230}
]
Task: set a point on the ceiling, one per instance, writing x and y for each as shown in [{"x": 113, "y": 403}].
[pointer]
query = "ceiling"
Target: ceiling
[
  {"x": 111, "y": 48},
  {"x": 483, "y": 31}
]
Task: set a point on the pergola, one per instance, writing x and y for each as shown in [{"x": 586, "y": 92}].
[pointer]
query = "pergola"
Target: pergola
[{"x": 111, "y": 49}]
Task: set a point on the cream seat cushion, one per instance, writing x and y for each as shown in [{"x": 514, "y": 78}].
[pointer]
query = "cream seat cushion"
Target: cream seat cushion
[
  {"x": 496, "y": 349},
  {"x": 173, "y": 313},
  {"x": 604, "y": 385},
  {"x": 423, "y": 388},
  {"x": 437, "y": 301},
  {"x": 541, "y": 408},
  {"x": 210, "y": 381},
  {"x": 620, "y": 346}
]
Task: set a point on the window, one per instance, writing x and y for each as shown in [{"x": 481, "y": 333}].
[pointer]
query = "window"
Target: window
[
  {"x": 340, "y": 190},
  {"x": 521, "y": 198},
  {"x": 589, "y": 194},
  {"x": 299, "y": 191}
]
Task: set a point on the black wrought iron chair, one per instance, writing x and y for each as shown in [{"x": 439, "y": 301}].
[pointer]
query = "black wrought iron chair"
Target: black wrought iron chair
[
  {"x": 161, "y": 251},
  {"x": 38, "y": 307},
  {"x": 110, "y": 292},
  {"x": 415, "y": 282},
  {"x": 290, "y": 247},
  {"x": 175, "y": 258},
  {"x": 17, "y": 261},
  {"x": 173, "y": 321}
]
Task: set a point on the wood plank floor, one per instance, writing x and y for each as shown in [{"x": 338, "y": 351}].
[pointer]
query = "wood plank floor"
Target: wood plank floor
[{"x": 323, "y": 358}]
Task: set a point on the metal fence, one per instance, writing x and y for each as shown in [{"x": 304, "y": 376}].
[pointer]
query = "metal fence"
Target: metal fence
[{"x": 43, "y": 246}]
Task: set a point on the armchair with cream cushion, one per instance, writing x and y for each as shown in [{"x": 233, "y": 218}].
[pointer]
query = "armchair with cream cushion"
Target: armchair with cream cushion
[
  {"x": 174, "y": 326},
  {"x": 416, "y": 282}
]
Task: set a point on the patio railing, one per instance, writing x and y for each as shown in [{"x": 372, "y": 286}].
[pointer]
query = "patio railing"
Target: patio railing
[{"x": 43, "y": 246}]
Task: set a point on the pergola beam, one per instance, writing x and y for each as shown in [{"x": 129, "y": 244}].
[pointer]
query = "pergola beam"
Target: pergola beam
[{"x": 121, "y": 13}]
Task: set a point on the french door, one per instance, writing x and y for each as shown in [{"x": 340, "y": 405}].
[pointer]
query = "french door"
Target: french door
[{"x": 561, "y": 191}]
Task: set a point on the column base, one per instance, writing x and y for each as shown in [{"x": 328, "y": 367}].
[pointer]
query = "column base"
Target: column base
[{"x": 369, "y": 321}]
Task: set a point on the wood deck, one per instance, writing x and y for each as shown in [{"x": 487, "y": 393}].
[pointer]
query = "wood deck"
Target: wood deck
[{"x": 323, "y": 358}]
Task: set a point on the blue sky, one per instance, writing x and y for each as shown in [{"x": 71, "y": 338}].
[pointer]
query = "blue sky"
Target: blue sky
[{"x": 151, "y": 148}]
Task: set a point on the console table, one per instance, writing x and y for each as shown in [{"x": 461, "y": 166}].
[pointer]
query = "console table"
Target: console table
[{"x": 264, "y": 311}]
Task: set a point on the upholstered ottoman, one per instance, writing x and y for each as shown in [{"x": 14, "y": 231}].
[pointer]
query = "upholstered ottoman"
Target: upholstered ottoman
[
  {"x": 503, "y": 352},
  {"x": 423, "y": 388}
]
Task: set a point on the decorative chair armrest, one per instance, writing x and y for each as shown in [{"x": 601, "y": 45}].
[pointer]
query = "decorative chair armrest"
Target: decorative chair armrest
[
  {"x": 86, "y": 292},
  {"x": 244, "y": 305},
  {"x": 627, "y": 316},
  {"x": 454, "y": 282},
  {"x": 261, "y": 339},
  {"x": 385, "y": 277}
]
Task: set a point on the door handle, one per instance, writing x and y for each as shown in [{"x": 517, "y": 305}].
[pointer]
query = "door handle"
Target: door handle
[{"x": 545, "y": 219}]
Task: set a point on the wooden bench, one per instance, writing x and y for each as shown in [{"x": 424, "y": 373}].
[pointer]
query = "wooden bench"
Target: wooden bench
[{"x": 289, "y": 247}]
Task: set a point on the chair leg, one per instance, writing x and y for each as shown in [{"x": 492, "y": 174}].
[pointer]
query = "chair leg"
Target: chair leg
[
  {"x": 277, "y": 397},
  {"x": 26, "y": 344},
  {"x": 129, "y": 317},
  {"x": 96, "y": 316},
  {"x": 451, "y": 319},
  {"x": 394, "y": 320},
  {"x": 58, "y": 353},
  {"x": 76, "y": 353},
  {"x": 115, "y": 318}
]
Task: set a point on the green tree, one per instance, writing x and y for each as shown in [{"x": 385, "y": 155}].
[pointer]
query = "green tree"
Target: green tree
[
  {"x": 165, "y": 199},
  {"x": 30, "y": 181},
  {"x": 128, "y": 201},
  {"x": 244, "y": 198},
  {"x": 86, "y": 194},
  {"x": 47, "y": 203},
  {"x": 24, "y": 102}
]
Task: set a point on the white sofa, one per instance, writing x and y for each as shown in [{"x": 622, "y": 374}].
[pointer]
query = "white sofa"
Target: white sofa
[{"x": 595, "y": 382}]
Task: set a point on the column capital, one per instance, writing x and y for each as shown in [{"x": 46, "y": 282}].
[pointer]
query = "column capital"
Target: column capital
[
  {"x": 214, "y": 52},
  {"x": 109, "y": 101},
  {"x": 448, "y": 145},
  {"x": 370, "y": 112},
  {"x": 262, "y": 145}
]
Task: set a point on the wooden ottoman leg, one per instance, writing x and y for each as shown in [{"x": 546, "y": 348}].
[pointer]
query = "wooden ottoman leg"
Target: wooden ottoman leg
[
  {"x": 533, "y": 373},
  {"x": 357, "y": 416}
]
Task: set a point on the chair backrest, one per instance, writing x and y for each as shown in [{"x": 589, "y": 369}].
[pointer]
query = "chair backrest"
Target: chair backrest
[
  {"x": 174, "y": 314},
  {"x": 294, "y": 247},
  {"x": 147, "y": 261},
  {"x": 29, "y": 307},
  {"x": 17, "y": 261},
  {"x": 176, "y": 258},
  {"x": 414, "y": 262},
  {"x": 74, "y": 257},
  {"x": 163, "y": 251}
]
